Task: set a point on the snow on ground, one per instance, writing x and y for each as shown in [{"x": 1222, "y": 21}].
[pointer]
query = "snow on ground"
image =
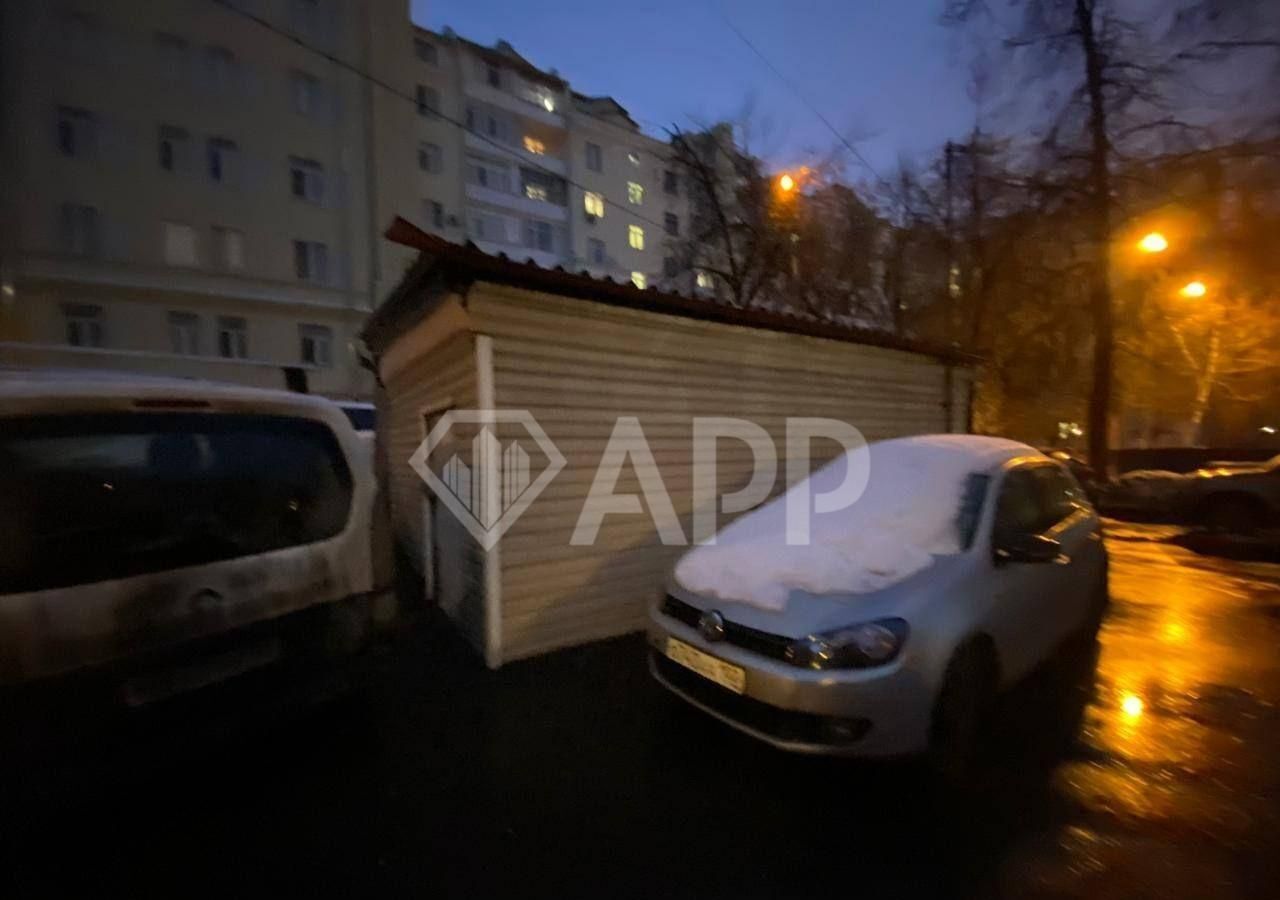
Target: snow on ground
[{"x": 906, "y": 516}]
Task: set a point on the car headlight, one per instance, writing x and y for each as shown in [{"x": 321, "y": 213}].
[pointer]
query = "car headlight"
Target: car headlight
[{"x": 858, "y": 647}]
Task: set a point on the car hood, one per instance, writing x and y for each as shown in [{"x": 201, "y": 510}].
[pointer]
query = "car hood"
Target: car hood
[{"x": 806, "y": 614}]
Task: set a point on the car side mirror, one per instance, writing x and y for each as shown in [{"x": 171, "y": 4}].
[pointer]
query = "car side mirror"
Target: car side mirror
[{"x": 1026, "y": 548}]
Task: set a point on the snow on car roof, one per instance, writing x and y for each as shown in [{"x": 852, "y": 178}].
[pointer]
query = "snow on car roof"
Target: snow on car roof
[{"x": 907, "y": 515}]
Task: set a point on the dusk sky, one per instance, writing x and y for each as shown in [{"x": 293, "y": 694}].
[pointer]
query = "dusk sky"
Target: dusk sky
[{"x": 885, "y": 74}]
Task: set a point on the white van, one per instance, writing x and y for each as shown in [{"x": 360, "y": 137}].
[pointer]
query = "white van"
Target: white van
[{"x": 158, "y": 536}]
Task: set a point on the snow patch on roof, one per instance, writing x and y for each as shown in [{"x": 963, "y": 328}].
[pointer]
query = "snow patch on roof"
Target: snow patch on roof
[{"x": 907, "y": 515}]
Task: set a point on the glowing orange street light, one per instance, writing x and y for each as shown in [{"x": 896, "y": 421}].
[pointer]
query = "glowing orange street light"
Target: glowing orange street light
[
  {"x": 1193, "y": 290},
  {"x": 786, "y": 183},
  {"x": 1155, "y": 242}
]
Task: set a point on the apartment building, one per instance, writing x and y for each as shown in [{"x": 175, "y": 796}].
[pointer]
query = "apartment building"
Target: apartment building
[
  {"x": 186, "y": 191},
  {"x": 198, "y": 188},
  {"x": 510, "y": 157}
]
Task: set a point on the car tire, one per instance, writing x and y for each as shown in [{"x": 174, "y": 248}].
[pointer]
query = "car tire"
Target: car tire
[
  {"x": 1231, "y": 514},
  {"x": 961, "y": 713}
]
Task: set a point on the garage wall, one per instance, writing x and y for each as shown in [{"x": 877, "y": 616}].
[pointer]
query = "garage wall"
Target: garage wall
[
  {"x": 430, "y": 382},
  {"x": 577, "y": 366}
]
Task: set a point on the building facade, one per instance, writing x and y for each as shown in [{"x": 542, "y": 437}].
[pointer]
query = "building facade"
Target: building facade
[{"x": 198, "y": 188}]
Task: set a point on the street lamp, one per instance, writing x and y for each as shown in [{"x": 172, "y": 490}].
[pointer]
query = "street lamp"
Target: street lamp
[
  {"x": 1155, "y": 242},
  {"x": 1193, "y": 290},
  {"x": 786, "y": 183}
]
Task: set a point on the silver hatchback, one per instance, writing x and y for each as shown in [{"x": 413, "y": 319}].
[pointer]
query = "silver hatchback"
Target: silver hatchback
[{"x": 910, "y": 667}]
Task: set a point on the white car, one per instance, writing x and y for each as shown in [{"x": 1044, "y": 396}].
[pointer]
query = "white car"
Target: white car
[
  {"x": 967, "y": 563},
  {"x": 159, "y": 536}
]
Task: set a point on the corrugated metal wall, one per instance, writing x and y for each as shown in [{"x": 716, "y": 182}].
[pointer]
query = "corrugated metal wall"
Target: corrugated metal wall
[
  {"x": 441, "y": 379},
  {"x": 577, "y": 366}
]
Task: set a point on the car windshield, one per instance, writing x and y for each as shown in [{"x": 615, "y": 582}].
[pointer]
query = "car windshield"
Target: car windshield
[{"x": 90, "y": 498}]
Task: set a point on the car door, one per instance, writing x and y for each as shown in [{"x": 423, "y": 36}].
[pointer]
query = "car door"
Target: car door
[
  {"x": 1024, "y": 619},
  {"x": 1080, "y": 567}
]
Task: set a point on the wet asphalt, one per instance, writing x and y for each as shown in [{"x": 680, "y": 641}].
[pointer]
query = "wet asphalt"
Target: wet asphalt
[{"x": 573, "y": 775}]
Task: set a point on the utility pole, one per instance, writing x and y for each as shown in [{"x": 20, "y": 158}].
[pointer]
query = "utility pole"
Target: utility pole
[{"x": 950, "y": 284}]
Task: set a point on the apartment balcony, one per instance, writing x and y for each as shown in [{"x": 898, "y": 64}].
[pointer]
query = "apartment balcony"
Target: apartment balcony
[
  {"x": 486, "y": 93},
  {"x": 546, "y": 162},
  {"x": 539, "y": 209}
]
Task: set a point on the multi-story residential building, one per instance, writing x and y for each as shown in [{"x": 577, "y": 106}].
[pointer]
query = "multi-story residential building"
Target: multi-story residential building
[
  {"x": 536, "y": 170},
  {"x": 199, "y": 188}
]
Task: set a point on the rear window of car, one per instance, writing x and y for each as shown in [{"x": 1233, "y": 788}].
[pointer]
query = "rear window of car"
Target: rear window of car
[
  {"x": 362, "y": 418},
  {"x": 89, "y": 498}
]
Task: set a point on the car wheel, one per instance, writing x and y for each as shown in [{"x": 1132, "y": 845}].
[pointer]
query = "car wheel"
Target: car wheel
[
  {"x": 1232, "y": 514},
  {"x": 961, "y": 713}
]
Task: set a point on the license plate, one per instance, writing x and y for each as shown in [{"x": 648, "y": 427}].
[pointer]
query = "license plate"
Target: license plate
[
  {"x": 722, "y": 673},
  {"x": 161, "y": 686}
]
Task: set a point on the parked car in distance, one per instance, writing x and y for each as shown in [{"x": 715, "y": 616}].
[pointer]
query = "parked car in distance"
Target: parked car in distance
[
  {"x": 1235, "y": 497},
  {"x": 877, "y": 650},
  {"x": 160, "y": 536}
]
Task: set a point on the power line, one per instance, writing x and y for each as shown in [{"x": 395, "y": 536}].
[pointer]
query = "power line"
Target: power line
[
  {"x": 795, "y": 89},
  {"x": 396, "y": 92}
]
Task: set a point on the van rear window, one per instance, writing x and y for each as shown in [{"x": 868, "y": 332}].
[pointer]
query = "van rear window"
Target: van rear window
[{"x": 88, "y": 498}]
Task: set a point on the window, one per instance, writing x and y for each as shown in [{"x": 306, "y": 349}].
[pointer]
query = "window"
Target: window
[
  {"x": 220, "y": 69},
  {"x": 96, "y": 493},
  {"x": 489, "y": 175},
  {"x": 704, "y": 279},
  {"x": 595, "y": 157},
  {"x": 233, "y": 337},
  {"x": 635, "y": 193},
  {"x": 307, "y": 93},
  {"x": 77, "y": 132},
  {"x": 83, "y": 323},
  {"x": 633, "y": 158},
  {"x": 173, "y": 148},
  {"x": 433, "y": 211},
  {"x": 535, "y": 192},
  {"x": 670, "y": 182},
  {"x": 316, "y": 345},
  {"x": 533, "y": 145},
  {"x": 539, "y": 185},
  {"x": 596, "y": 251},
  {"x": 593, "y": 205},
  {"x": 79, "y": 230},
  {"x": 306, "y": 179},
  {"x": 671, "y": 223},
  {"x": 670, "y": 268},
  {"x": 179, "y": 244},
  {"x": 184, "y": 333},
  {"x": 428, "y": 100},
  {"x": 222, "y": 155},
  {"x": 311, "y": 261},
  {"x": 635, "y": 237},
  {"x": 539, "y": 235},
  {"x": 1019, "y": 510},
  {"x": 638, "y": 279},
  {"x": 174, "y": 56},
  {"x": 228, "y": 244},
  {"x": 426, "y": 51},
  {"x": 430, "y": 157},
  {"x": 493, "y": 75}
]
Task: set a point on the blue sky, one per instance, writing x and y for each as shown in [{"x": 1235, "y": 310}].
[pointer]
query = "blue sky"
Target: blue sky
[{"x": 884, "y": 73}]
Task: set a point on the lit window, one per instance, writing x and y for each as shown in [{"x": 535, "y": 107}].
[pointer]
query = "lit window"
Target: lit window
[
  {"x": 635, "y": 237},
  {"x": 633, "y": 158},
  {"x": 593, "y": 204},
  {"x": 316, "y": 345},
  {"x": 638, "y": 279},
  {"x": 84, "y": 324},
  {"x": 233, "y": 337},
  {"x": 533, "y": 145},
  {"x": 535, "y": 192},
  {"x": 184, "y": 333},
  {"x": 635, "y": 193},
  {"x": 179, "y": 244},
  {"x": 704, "y": 279},
  {"x": 228, "y": 248}
]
